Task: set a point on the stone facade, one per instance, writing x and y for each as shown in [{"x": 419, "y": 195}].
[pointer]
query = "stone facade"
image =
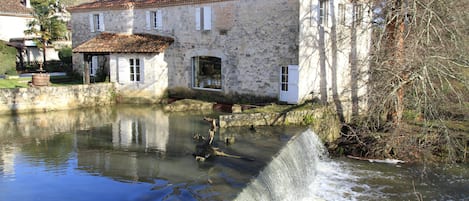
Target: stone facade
[
  {"x": 254, "y": 40},
  {"x": 247, "y": 35},
  {"x": 41, "y": 99}
]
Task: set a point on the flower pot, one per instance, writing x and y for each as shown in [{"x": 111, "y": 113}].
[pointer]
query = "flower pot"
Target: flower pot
[{"x": 40, "y": 79}]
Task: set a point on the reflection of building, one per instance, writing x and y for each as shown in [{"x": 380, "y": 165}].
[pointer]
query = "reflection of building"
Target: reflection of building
[
  {"x": 7, "y": 161},
  {"x": 121, "y": 150},
  {"x": 148, "y": 133}
]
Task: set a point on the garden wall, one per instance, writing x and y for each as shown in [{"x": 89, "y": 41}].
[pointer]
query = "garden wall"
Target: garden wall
[
  {"x": 36, "y": 99},
  {"x": 322, "y": 120},
  {"x": 267, "y": 119}
]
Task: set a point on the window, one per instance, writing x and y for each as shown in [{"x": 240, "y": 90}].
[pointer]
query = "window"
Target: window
[
  {"x": 206, "y": 72},
  {"x": 154, "y": 20},
  {"x": 134, "y": 70},
  {"x": 342, "y": 15},
  {"x": 203, "y": 18},
  {"x": 284, "y": 81},
  {"x": 358, "y": 13},
  {"x": 323, "y": 12},
  {"x": 96, "y": 22}
]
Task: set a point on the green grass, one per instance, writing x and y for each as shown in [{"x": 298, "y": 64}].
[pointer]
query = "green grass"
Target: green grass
[
  {"x": 23, "y": 82},
  {"x": 14, "y": 83}
]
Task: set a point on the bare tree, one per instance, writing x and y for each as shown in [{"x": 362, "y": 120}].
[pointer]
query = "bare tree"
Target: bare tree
[{"x": 419, "y": 59}]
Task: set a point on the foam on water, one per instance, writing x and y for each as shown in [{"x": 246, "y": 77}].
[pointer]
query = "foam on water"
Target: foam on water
[{"x": 303, "y": 171}]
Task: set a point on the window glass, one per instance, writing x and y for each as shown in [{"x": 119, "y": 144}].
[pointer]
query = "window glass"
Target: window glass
[
  {"x": 97, "y": 23},
  {"x": 323, "y": 12},
  {"x": 206, "y": 72},
  {"x": 134, "y": 70},
  {"x": 284, "y": 78}
]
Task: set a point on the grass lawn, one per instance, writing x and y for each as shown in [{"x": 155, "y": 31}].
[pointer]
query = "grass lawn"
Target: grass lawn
[
  {"x": 23, "y": 82},
  {"x": 14, "y": 83}
]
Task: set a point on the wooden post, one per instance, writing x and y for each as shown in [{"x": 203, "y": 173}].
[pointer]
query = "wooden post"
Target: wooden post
[{"x": 87, "y": 73}]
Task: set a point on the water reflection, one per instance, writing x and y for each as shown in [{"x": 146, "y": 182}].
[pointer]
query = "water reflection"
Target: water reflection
[{"x": 135, "y": 152}]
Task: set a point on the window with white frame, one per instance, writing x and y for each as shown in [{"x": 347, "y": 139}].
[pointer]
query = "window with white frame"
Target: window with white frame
[
  {"x": 96, "y": 22},
  {"x": 284, "y": 78},
  {"x": 135, "y": 70},
  {"x": 323, "y": 12},
  {"x": 203, "y": 18},
  {"x": 154, "y": 20},
  {"x": 206, "y": 72},
  {"x": 342, "y": 14},
  {"x": 358, "y": 14}
]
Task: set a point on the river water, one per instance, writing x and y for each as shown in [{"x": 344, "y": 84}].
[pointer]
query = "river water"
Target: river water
[{"x": 138, "y": 153}]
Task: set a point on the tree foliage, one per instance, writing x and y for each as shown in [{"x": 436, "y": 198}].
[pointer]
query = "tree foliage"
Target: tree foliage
[{"x": 46, "y": 25}]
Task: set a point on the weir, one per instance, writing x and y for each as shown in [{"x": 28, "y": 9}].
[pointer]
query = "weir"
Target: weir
[{"x": 300, "y": 171}]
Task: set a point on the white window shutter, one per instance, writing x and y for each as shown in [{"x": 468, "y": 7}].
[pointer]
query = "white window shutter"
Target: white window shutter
[
  {"x": 159, "y": 20},
  {"x": 207, "y": 18},
  {"x": 101, "y": 21},
  {"x": 123, "y": 70},
  {"x": 142, "y": 70},
  {"x": 148, "y": 19},
  {"x": 91, "y": 23},
  {"x": 94, "y": 65},
  {"x": 349, "y": 14},
  {"x": 197, "y": 18}
]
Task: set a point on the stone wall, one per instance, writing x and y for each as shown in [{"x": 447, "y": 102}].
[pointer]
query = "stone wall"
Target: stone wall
[
  {"x": 34, "y": 99},
  {"x": 322, "y": 120},
  {"x": 267, "y": 119}
]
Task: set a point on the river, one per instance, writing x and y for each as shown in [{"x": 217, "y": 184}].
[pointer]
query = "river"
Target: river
[{"x": 138, "y": 153}]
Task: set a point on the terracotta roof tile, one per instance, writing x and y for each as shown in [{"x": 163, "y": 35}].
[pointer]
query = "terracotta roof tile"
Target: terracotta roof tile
[
  {"x": 125, "y": 43},
  {"x": 13, "y": 7},
  {"x": 125, "y": 4}
]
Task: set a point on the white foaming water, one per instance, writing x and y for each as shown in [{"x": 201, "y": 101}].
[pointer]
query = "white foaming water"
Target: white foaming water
[{"x": 302, "y": 171}]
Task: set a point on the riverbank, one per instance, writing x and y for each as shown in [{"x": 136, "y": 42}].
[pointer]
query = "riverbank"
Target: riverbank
[{"x": 412, "y": 143}]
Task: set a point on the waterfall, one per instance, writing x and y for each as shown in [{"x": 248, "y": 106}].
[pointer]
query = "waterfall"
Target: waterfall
[{"x": 300, "y": 171}]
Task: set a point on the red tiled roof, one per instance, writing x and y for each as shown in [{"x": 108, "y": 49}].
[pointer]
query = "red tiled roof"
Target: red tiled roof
[
  {"x": 13, "y": 7},
  {"x": 125, "y": 43},
  {"x": 125, "y": 4}
]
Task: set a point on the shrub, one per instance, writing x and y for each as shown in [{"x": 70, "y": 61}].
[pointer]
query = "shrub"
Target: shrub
[{"x": 65, "y": 55}]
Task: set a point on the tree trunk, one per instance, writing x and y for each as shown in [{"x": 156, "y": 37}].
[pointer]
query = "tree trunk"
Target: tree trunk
[
  {"x": 44, "y": 43},
  {"x": 395, "y": 42}
]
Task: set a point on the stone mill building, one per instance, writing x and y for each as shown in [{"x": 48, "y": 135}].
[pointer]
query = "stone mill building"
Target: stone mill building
[{"x": 290, "y": 50}]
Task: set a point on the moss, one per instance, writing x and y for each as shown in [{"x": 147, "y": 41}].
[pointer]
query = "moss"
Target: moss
[{"x": 308, "y": 120}]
